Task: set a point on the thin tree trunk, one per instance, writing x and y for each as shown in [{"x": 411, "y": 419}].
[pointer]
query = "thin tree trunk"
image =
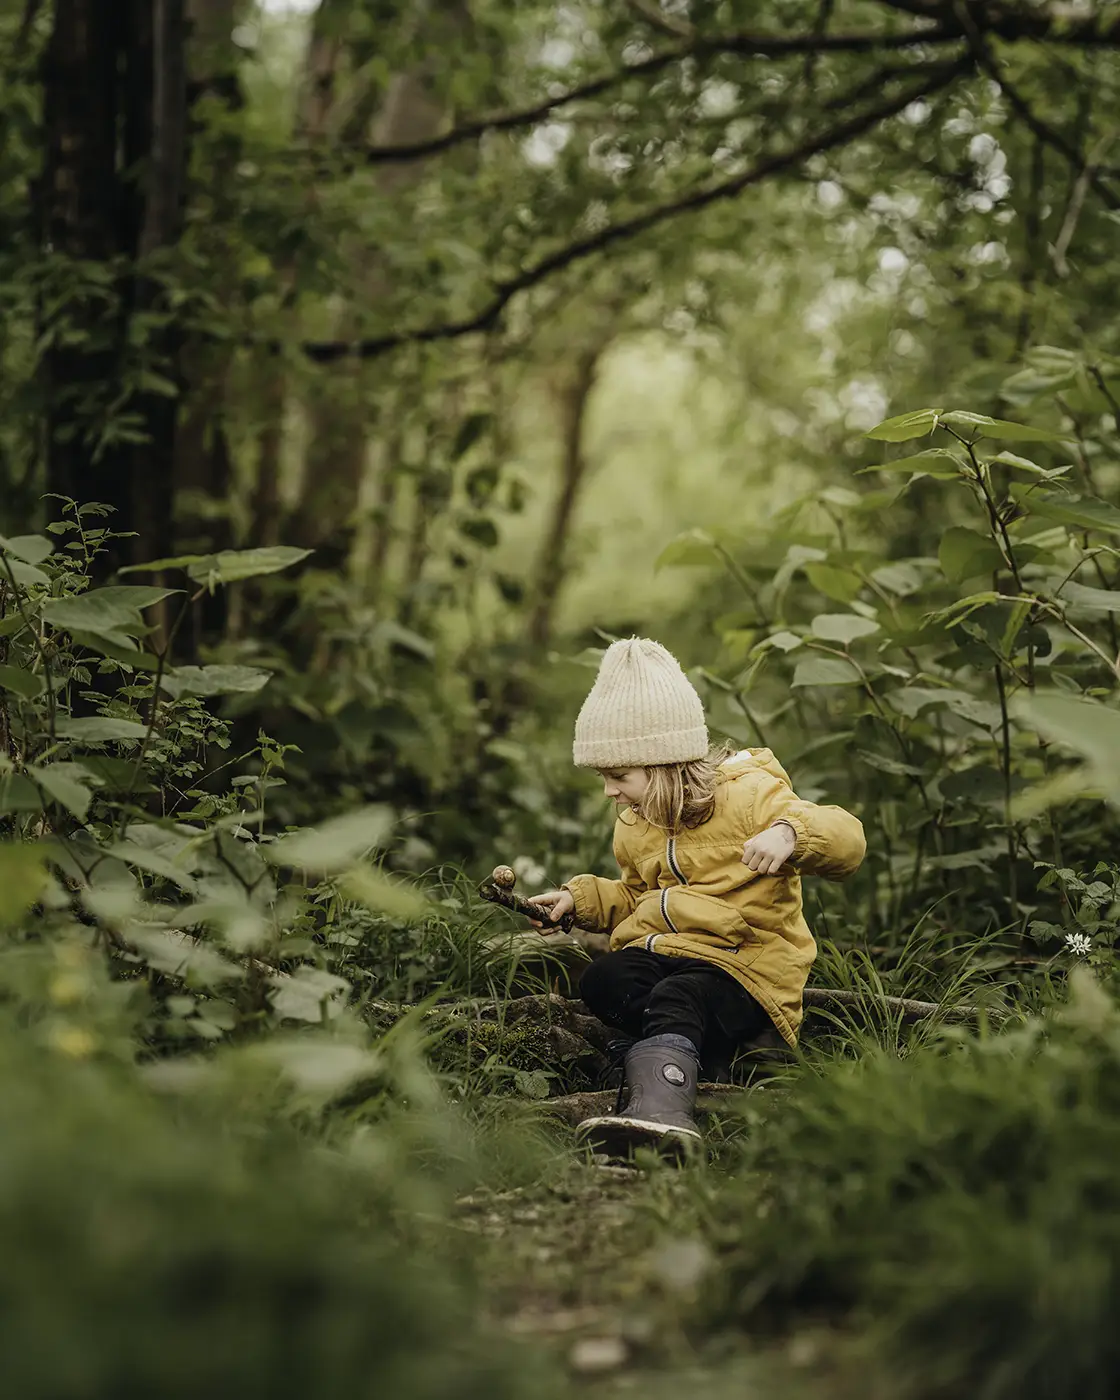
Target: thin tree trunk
[
  {"x": 203, "y": 483},
  {"x": 337, "y": 456},
  {"x": 316, "y": 103},
  {"x": 156, "y": 78},
  {"x": 551, "y": 569}
]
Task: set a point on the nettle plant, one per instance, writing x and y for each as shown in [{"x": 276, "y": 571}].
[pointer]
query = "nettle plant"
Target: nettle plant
[
  {"x": 130, "y": 860},
  {"x": 941, "y": 692}
]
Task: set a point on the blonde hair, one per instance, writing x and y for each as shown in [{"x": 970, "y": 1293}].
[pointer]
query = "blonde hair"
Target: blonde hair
[{"x": 682, "y": 795}]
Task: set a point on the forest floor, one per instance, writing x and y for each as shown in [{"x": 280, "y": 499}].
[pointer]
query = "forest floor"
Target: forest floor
[{"x": 602, "y": 1267}]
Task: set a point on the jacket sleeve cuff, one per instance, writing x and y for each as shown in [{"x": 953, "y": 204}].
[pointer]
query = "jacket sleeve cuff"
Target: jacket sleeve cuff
[
  {"x": 585, "y": 907},
  {"x": 800, "y": 834}
]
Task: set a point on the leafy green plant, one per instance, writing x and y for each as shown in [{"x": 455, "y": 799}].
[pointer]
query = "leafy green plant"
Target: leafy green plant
[
  {"x": 956, "y": 1209},
  {"x": 943, "y": 692}
]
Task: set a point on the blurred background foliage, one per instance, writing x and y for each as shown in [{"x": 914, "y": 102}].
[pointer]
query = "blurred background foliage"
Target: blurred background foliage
[{"x": 365, "y": 367}]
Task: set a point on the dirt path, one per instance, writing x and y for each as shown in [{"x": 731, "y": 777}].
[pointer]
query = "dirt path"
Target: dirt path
[{"x": 600, "y": 1266}]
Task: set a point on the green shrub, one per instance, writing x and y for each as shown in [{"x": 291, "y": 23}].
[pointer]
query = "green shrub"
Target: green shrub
[
  {"x": 163, "y": 1246},
  {"x": 959, "y": 1206}
]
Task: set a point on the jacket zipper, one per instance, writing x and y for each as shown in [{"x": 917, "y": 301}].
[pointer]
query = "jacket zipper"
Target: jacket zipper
[{"x": 671, "y": 857}]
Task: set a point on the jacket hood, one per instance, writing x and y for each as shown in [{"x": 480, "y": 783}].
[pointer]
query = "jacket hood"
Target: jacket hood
[{"x": 750, "y": 761}]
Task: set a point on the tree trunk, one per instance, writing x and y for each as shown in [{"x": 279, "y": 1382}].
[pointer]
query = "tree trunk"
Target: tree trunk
[
  {"x": 111, "y": 195},
  {"x": 78, "y": 222}
]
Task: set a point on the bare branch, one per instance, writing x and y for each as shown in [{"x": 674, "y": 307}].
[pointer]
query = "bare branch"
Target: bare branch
[
  {"x": 1076, "y": 203},
  {"x": 934, "y": 79}
]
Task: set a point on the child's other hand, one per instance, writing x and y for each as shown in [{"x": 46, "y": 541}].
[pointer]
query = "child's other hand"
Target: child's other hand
[
  {"x": 555, "y": 904},
  {"x": 770, "y": 849}
]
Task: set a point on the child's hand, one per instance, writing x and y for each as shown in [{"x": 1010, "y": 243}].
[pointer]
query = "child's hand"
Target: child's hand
[
  {"x": 555, "y": 904},
  {"x": 770, "y": 849}
]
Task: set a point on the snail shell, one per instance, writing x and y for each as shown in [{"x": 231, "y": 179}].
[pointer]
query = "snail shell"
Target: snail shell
[{"x": 503, "y": 877}]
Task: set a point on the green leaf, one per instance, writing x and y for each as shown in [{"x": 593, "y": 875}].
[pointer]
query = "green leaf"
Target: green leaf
[
  {"x": 1085, "y": 727},
  {"x": 965, "y": 553},
  {"x": 144, "y": 858},
  {"x": 100, "y": 729},
  {"x": 1101, "y": 600},
  {"x": 230, "y": 566},
  {"x": 179, "y": 955},
  {"x": 131, "y": 595},
  {"x": 911, "y": 700},
  {"x": 308, "y": 994},
  {"x": 840, "y": 585},
  {"x": 32, "y": 549},
  {"x": 214, "y": 680},
  {"x": 843, "y": 627},
  {"x": 981, "y": 426},
  {"x": 118, "y": 645},
  {"x": 691, "y": 550},
  {"x": 113, "y": 612},
  {"x": 334, "y": 846},
  {"x": 1078, "y": 512},
  {"x": 825, "y": 670},
  {"x": 20, "y": 682},
  {"x": 65, "y": 783},
  {"x": 23, "y": 878},
  {"x": 25, "y": 575},
  {"x": 533, "y": 1083},
  {"x": 19, "y": 794},
  {"x": 320, "y": 1070},
  {"x": 1022, "y": 464},
  {"x": 784, "y": 641},
  {"x": 981, "y": 786},
  {"x": 939, "y": 462},
  {"x": 384, "y": 894},
  {"x": 11, "y": 625},
  {"x": 900, "y": 578},
  {"x": 116, "y": 774},
  {"x": 906, "y": 426}
]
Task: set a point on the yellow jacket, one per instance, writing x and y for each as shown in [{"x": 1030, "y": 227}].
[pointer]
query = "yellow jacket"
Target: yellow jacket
[{"x": 690, "y": 895}]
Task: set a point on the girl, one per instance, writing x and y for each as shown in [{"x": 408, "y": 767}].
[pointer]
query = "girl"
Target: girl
[{"x": 709, "y": 944}]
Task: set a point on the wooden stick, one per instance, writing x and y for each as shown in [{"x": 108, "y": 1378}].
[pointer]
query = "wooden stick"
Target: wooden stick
[{"x": 499, "y": 890}]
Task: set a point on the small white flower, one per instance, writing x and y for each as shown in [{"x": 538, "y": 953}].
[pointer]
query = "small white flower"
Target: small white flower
[{"x": 1080, "y": 944}]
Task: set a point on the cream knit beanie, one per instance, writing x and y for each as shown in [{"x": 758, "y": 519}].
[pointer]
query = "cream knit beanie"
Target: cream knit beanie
[{"x": 642, "y": 711}]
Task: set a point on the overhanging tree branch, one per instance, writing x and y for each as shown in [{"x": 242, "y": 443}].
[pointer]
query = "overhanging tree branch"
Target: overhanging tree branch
[
  {"x": 1043, "y": 131},
  {"x": 946, "y": 24},
  {"x": 741, "y": 45},
  {"x": 934, "y": 79}
]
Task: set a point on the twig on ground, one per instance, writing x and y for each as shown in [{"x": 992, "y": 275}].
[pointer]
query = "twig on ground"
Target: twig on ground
[{"x": 826, "y": 999}]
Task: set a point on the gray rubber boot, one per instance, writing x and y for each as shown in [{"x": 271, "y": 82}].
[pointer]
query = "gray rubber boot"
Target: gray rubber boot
[{"x": 660, "y": 1085}]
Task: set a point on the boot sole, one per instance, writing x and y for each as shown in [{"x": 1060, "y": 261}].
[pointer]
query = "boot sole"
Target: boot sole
[{"x": 620, "y": 1138}]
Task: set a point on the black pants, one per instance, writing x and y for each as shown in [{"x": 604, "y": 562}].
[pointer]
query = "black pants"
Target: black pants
[{"x": 645, "y": 994}]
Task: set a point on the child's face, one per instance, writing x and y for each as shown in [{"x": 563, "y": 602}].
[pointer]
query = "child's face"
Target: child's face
[{"x": 626, "y": 786}]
